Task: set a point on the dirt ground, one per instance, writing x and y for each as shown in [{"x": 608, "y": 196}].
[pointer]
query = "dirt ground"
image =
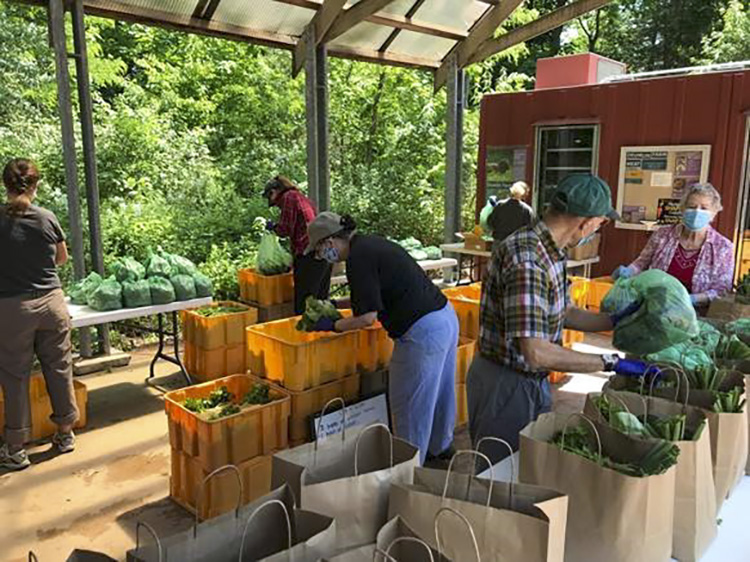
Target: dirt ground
[{"x": 119, "y": 473}]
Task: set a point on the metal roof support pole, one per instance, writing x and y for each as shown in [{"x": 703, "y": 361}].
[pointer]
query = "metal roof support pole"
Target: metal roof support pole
[
  {"x": 56, "y": 18},
  {"x": 316, "y": 99},
  {"x": 454, "y": 149},
  {"x": 89, "y": 153}
]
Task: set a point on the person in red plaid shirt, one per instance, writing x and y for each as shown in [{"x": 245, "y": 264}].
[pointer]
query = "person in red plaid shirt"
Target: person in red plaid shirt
[{"x": 312, "y": 277}]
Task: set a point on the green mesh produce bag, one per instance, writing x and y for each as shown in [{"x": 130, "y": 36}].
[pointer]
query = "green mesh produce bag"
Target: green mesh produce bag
[
  {"x": 162, "y": 291},
  {"x": 107, "y": 296},
  {"x": 665, "y": 318},
  {"x": 128, "y": 269},
  {"x": 79, "y": 292},
  {"x": 158, "y": 266},
  {"x": 181, "y": 265},
  {"x": 184, "y": 287},
  {"x": 136, "y": 293},
  {"x": 273, "y": 259},
  {"x": 203, "y": 287}
]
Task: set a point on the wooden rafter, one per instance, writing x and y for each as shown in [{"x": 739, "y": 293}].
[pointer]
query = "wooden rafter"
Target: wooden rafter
[
  {"x": 321, "y": 23},
  {"x": 394, "y": 34},
  {"x": 353, "y": 16},
  {"x": 537, "y": 27},
  {"x": 482, "y": 32}
]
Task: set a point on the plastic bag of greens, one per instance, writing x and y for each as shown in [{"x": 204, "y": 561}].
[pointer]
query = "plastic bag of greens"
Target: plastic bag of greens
[
  {"x": 273, "y": 259},
  {"x": 128, "y": 269},
  {"x": 665, "y": 318},
  {"x": 136, "y": 293},
  {"x": 484, "y": 216},
  {"x": 184, "y": 287},
  {"x": 203, "y": 286},
  {"x": 685, "y": 355},
  {"x": 620, "y": 296},
  {"x": 418, "y": 255},
  {"x": 433, "y": 253},
  {"x": 107, "y": 296},
  {"x": 79, "y": 292},
  {"x": 162, "y": 291},
  {"x": 410, "y": 244},
  {"x": 158, "y": 266},
  {"x": 181, "y": 265}
]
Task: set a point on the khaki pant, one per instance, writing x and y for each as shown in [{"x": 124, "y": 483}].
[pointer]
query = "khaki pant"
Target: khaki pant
[{"x": 38, "y": 326}]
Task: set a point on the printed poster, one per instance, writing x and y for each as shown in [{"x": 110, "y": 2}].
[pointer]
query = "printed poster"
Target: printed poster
[
  {"x": 504, "y": 166},
  {"x": 669, "y": 211}
]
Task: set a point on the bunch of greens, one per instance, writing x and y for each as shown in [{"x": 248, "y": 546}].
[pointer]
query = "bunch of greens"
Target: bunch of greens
[
  {"x": 218, "y": 397},
  {"x": 419, "y": 252},
  {"x": 258, "y": 394},
  {"x": 224, "y": 411},
  {"x": 670, "y": 428},
  {"x": 213, "y": 311},
  {"x": 79, "y": 292},
  {"x": 273, "y": 259},
  {"x": 730, "y": 402},
  {"x": 184, "y": 287},
  {"x": 731, "y": 348},
  {"x": 314, "y": 311}
]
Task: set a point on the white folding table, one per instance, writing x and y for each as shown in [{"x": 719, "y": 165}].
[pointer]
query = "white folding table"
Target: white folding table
[{"x": 426, "y": 265}]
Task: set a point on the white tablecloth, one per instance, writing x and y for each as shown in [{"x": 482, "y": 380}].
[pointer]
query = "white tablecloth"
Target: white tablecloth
[
  {"x": 427, "y": 265},
  {"x": 83, "y": 316}
]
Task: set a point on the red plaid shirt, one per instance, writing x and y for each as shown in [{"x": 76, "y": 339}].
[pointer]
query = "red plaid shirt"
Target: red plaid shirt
[{"x": 297, "y": 211}]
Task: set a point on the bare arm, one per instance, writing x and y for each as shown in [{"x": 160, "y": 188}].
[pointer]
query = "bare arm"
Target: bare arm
[
  {"x": 356, "y": 322},
  {"x": 543, "y": 355},
  {"x": 61, "y": 254},
  {"x": 585, "y": 321}
]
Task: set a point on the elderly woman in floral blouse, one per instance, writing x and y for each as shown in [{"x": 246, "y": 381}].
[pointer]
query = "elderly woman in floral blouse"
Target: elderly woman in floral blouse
[{"x": 693, "y": 252}]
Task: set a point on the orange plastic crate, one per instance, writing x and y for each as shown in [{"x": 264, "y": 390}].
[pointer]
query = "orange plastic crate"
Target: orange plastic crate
[
  {"x": 255, "y": 431},
  {"x": 299, "y": 360},
  {"x": 462, "y": 405},
  {"x": 598, "y": 289},
  {"x": 204, "y": 365},
  {"x": 309, "y": 402},
  {"x": 374, "y": 347},
  {"x": 265, "y": 290},
  {"x": 465, "y": 301},
  {"x": 579, "y": 291},
  {"x": 41, "y": 407},
  {"x": 464, "y": 357},
  {"x": 218, "y": 331},
  {"x": 221, "y": 492}
]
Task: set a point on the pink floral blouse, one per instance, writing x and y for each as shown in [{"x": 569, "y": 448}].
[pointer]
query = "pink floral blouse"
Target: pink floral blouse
[{"x": 715, "y": 268}]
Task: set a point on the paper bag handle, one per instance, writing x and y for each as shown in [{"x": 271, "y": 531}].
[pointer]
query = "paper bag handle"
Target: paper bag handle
[
  {"x": 258, "y": 510},
  {"x": 356, "y": 445},
  {"x": 32, "y": 556},
  {"x": 202, "y": 492},
  {"x": 442, "y": 512},
  {"x": 383, "y": 554},
  {"x": 512, "y": 464},
  {"x": 150, "y": 529},
  {"x": 340, "y": 400},
  {"x": 450, "y": 469},
  {"x": 596, "y": 431},
  {"x": 398, "y": 540}
]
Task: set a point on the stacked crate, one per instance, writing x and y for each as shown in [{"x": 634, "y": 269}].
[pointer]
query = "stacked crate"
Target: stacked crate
[
  {"x": 41, "y": 407},
  {"x": 464, "y": 356},
  {"x": 272, "y": 295},
  {"x": 580, "y": 288},
  {"x": 246, "y": 440},
  {"x": 313, "y": 367},
  {"x": 215, "y": 346}
]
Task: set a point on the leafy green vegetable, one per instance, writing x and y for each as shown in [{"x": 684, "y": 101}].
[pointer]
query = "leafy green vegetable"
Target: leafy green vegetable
[
  {"x": 162, "y": 291},
  {"x": 213, "y": 311},
  {"x": 180, "y": 265},
  {"x": 203, "y": 285},
  {"x": 79, "y": 292},
  {"x": 418, "y": 255},
  {"x": 196, "y": 405},
  {"x": 106, "y": 296},
  {"x": 128, "y": 269},
  {"x": 136, "y": 293},
  {"x": 220, "y": 396},
  {"x": 314, "y": 311},
  {"x": 731, "y": 348},
  {"x": 273, "y": 259},
  {"x": 184, "y": 287},
  {"x": 158, "y": 266},
  {"x": 258, "y": 394},
  {"x": 730, "y": 402},
  {"x": 226, "y": 410}
]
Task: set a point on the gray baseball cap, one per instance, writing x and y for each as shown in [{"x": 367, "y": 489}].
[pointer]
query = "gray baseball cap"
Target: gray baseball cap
[{"x": 324, "y": 225}]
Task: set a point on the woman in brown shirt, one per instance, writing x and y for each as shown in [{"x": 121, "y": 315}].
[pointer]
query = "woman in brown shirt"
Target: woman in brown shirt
[{"x": 33, "y": 315}]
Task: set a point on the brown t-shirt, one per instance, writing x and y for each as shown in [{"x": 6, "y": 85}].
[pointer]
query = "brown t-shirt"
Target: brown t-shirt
[{"x": 28, "y": 245}]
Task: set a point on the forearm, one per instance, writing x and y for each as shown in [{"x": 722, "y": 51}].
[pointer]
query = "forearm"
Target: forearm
[
  {"x": 585, "y": 321},
  {"x": 544, "y": 355},
  {"x": 356, "y": 322}
]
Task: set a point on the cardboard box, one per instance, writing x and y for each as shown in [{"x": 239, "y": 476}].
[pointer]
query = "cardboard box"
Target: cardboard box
[{"x": 728, "y": 308}]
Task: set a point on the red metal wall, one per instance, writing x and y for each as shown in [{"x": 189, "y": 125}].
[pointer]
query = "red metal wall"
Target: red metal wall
[{"x": 705, "y": 109}]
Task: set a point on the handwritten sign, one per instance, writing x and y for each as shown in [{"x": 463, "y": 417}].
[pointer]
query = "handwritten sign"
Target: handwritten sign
[{"x": 366, "y": 412}]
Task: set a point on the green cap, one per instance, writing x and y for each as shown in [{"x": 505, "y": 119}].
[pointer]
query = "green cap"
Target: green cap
[{"x": 584, "y": 195}]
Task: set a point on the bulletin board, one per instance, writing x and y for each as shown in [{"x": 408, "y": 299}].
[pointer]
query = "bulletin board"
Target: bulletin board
[{"x": 653, "y": 179}]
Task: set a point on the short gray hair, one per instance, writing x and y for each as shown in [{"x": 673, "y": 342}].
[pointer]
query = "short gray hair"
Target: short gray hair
[
  {"x": 519, "y": 189},
  {"x": 704, "y": 190}
]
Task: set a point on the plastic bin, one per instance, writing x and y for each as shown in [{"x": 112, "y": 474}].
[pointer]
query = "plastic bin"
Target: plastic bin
[
  {"x": 462, "y": 405},
  {"x": 579, "y": 291},
  {"x": 598, "y": 289},
  {"x": 465, "y": 301},
  {"x": 464, "y": 357},
  {"x": 41, "y": 407},
  {"x": 204, "y": 365},
  {"x": 214, "y": 332},
  {"x": 309, "y": 402},
  {"x": 374, "y": 347},
  {"x": 265, "y": 290},
  {"x": 300, "y": 360},
  {"x": 220, "y": 493},
  {"x": 255, "y": 431}
]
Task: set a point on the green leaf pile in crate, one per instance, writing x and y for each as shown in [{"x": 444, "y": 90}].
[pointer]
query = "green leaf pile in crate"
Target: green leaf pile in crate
[
  {"x": 221, "y": 403},
  {"x": 315, "y": 310},
  {"x": 214, "y": 311},
  {"x": 165, "y": 278}
]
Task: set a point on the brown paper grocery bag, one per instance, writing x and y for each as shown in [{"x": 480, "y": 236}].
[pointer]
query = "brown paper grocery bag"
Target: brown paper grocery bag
[
  {"x": 512, "y": 522},
  {"x": 695, "y": 525},
  {"x": 348, "y": 479},
  {"x": 613, "y": 517}
]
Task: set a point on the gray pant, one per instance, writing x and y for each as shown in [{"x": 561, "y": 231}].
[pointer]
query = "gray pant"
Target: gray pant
[
  {"x": 38, "y": 326},
  {"x": 501, "y": 403}
]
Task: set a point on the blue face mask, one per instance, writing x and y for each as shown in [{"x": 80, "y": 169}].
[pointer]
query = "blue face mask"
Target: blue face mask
[
  {"x": 586, "y": 239},
  {"x": 696, "y": 219},
  {"x": 330, "y": 254}
]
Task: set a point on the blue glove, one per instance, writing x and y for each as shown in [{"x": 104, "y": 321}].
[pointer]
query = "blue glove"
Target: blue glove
[
  {"x": 623, "y": 272},
  {"x": 271, "y": 225},
  {"x": 635, "y": 368},
  {"x": 631, "y": 309},
  {"x": 325, "y": 324}
]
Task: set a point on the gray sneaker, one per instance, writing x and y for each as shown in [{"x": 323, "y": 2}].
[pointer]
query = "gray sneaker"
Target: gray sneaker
[
  {"x": 65, "y": 442},
  {"x": 14, "y": 461}
]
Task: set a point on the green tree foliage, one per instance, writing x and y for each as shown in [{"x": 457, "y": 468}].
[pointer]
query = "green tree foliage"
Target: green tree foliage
[{"x": 732, "y": 41}]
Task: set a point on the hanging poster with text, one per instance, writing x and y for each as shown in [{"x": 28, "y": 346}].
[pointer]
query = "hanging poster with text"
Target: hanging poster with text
[
  {"x": 653, "y": 179},
  {"x": 504, "y": 165}
]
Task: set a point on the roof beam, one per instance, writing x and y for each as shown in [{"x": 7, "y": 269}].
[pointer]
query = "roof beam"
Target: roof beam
[
  {"x": 409, "y": 14},
  {"x": 353, "y": 16},
  {"x": 321, "y": 23},
  {"x": 482, "y": 32},
  {"x": 538, "y": 27}
]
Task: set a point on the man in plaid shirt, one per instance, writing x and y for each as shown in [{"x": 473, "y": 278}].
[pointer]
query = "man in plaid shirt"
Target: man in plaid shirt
[
  {"x": 312, "y": 277},
  {"x": 524, "y": 307}
]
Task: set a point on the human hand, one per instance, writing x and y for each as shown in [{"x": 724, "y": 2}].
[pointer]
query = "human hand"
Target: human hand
[
  {"x": 270, "y": 225},
  {"x": 623, "y": 271},
  {"x": 325, "y": 324}
]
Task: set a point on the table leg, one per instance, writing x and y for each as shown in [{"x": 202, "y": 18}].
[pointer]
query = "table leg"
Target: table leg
[{"x": 160, "y": 351}]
